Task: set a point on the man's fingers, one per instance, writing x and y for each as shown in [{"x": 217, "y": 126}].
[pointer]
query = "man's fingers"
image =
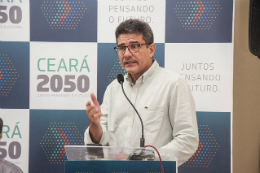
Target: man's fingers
[
  {"x": 94, "y": 99},
  {"x": 93, "y": 110},
  {"x": 88, "y": 103},
  {"x": 94, "y": 116},
  {"x": 98, "y": 115},
  {"x": 88, "y": 106}
]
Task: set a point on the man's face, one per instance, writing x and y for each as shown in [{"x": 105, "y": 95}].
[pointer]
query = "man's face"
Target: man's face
[{"x": 135, "y": 63}]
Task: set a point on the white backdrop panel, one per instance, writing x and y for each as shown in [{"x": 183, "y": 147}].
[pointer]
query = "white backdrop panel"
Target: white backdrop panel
[
  {"x": 15, "y": 136},
  {"x": 62, "y": 75},
  {"x": 14, "y": 25},
  {"x": 206, "y": 67},
  {"x": 113, "y": 12}
]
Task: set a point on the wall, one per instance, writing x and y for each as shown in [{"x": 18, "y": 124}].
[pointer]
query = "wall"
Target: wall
[{"x": 246, "y": 114}]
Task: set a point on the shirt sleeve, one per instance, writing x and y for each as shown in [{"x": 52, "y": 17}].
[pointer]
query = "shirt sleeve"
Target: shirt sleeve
[
  {"x": 182, "y": 115},
  {"x": 103, "y": 122}
]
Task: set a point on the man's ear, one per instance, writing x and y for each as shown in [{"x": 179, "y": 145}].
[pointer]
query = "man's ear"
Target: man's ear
[
  {"x": 152, "y": 48},
  {"x": 0, "y": 136}
]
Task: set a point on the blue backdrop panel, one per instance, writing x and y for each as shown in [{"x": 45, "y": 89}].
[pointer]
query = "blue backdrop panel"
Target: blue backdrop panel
[
  {"x": 14, "y": 75},
  {"x": 109, "y": 65},
  {"x": 194, "y": 21},
  {"x": 50, "y": 130},
  {"x": 214, "y": 150},
  {"x": 70, "y": 20}
]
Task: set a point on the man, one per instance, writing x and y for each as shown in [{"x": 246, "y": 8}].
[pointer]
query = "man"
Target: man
[
  {"x": 162, "y": 98},
  {"x": 5, "y": 166}
]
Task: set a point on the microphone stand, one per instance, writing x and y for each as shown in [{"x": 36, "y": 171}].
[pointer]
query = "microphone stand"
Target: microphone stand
[
  {"x": 142, "y": 140},
  {"x": 138, "y": 154}
]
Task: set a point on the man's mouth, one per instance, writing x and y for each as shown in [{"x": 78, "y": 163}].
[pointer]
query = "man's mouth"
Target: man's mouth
[{"x": 129, "y": 62}]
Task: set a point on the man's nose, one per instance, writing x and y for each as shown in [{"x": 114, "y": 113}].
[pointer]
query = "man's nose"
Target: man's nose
[{"x": 127, "y": 52}]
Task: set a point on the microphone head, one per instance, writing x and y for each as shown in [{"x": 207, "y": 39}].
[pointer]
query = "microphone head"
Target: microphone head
[{"x": 120, "y": 78}]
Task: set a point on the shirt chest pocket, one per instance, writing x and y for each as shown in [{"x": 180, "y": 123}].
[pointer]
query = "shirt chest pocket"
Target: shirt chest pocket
[{"x": 152, "y": 118}]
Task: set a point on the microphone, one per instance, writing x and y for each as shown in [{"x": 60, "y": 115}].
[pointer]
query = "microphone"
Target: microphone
[{"x": 120, "y": 79}]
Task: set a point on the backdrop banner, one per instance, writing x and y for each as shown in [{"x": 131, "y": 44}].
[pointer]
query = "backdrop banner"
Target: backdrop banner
[{"x": 54, "y": 53}]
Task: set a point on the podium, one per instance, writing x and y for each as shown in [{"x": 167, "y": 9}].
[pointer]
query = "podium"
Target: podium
[{"x": 102, "y": 159}]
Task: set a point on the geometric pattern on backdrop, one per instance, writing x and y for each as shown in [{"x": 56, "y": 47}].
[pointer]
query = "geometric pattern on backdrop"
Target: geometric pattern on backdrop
[
  {"x": 63, "y": 14},
  {"x": 207, "y": 149},
  {"x": 197, "y": 15},
  {"x": 116, "y": 69},
  {"x": 14, "y": 75},
  {"x": 63, "y": 20},
  {"x": 8, "y": 75},
  {"x": 213, "y": 153},
  {"x": 57, "y": 135},
  {"x": 199, "y": 21},
  {"x": 50, "y": 130}
]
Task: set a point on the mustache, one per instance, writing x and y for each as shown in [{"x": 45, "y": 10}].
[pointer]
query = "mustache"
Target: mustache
[{"x": 127, "y": 61}]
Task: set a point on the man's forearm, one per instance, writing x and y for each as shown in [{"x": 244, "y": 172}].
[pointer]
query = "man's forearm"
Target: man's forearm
[{"x": 95, "y": 132}]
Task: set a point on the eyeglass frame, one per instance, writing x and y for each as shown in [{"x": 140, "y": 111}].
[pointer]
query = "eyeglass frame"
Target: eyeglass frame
[{"x": 129, "y": 48}]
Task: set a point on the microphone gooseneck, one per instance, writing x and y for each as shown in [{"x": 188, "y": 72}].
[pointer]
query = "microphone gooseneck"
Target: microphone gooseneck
[{"x": 120, "y": 79}]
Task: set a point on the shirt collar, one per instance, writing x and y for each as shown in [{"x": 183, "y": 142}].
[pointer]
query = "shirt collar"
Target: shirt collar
[{"x": 146, "y": 74}]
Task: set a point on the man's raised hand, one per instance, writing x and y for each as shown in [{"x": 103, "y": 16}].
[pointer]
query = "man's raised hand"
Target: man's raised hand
[
  {"x": 94, "y": 113},
  {"x": 93, "y": 110}
]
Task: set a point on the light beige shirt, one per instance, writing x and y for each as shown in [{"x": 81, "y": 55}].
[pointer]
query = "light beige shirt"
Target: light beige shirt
[{"x": 165, "y": 103}]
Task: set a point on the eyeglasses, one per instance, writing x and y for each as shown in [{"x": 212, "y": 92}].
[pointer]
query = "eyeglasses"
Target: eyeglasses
[{"x": 133, "y": 48}]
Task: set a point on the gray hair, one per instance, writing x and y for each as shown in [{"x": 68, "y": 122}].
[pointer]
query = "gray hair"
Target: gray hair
[{"x": 135, "y": 26}]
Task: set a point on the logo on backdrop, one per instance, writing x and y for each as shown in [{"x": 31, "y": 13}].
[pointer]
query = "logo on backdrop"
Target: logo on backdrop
[
  {"x": 55, "y": 84},
  {"x": 11, "y": 15},
  {"x": 199, "y": 21},
  {"x": 14, "y": 20},
  {"x": 207, "y": 149},
  {"x": 62, "y": 79},
  {"x": 14, "y": 75},
  {"x": 8, "y": 75},
  {"x": 57, "y": 135},
  {"x": 50, "y": 130},
  {"x": 63, "y": 14},
  {"x": 63, "y": 20},
  {"x": 13, "y": 149},
  {"x": 213, "y": 153},
  {"x": 197, "y": 15}
]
